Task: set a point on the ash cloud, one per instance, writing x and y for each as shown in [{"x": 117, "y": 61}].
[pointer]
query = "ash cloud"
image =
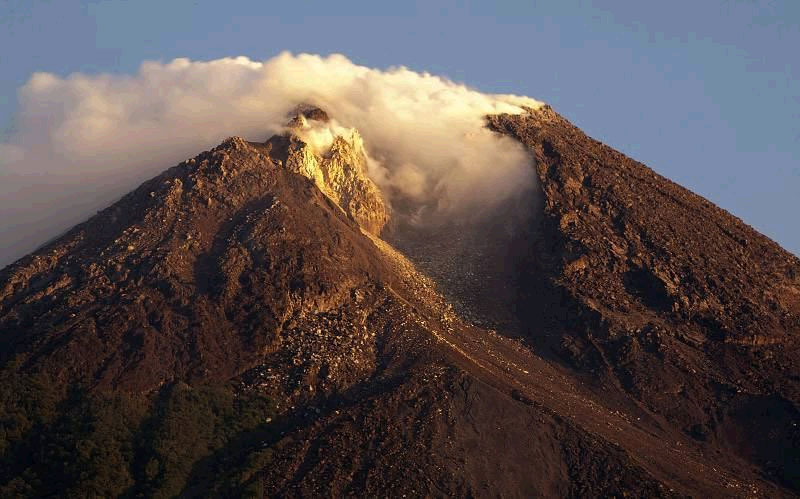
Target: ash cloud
[{"x": 84, "y": 140}]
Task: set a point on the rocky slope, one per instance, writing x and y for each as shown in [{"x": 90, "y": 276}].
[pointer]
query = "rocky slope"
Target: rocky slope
[
  {"x": 685, "y": 307},
  {"x": 235, "y": 326}
]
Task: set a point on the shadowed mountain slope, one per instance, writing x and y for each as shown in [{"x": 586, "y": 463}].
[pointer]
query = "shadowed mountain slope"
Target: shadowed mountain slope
[{"x": 683, "y": 305}]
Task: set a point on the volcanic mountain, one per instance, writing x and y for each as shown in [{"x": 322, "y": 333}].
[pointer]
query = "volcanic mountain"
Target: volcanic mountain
[{"x": 251, "y": 322}]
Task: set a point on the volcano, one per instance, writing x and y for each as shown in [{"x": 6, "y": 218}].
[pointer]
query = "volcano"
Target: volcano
[{"x": 260, "y": 321}]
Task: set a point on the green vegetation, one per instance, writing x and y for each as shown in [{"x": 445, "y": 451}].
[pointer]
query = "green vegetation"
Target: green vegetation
[{"x": 74, "y": 443}]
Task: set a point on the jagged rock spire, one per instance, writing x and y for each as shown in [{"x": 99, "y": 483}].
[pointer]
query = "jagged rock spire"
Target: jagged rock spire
[{"x": 341, "y": 172}]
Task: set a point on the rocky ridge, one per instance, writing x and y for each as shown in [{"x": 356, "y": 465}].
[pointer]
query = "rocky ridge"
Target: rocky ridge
[{"x": 645, "y": 284}]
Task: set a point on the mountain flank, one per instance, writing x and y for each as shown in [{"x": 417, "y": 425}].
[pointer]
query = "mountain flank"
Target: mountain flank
[
  {"x": 240, "y": 326},
  {"x": 683, "y": 306}
]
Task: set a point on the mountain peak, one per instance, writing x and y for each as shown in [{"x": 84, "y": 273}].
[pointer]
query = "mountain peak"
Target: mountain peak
[
  {"x": 310, "y": 112},
  {"x": 339, "y": 170}
]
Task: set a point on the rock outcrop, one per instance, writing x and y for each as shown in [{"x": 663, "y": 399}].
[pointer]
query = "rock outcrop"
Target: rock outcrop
[{"x": 340, "y": 171}]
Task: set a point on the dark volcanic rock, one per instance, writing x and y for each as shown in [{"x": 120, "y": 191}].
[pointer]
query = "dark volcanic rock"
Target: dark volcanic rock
[
  {"x": 191, "y": 276},
  {"x": 690, "y": 310},
  {"x": 229, "y": 278},
  {"x": 310, "y": 112}
]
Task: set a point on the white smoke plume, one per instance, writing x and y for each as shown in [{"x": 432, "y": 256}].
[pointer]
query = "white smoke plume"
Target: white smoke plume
[{"x": 82, "y": 141}]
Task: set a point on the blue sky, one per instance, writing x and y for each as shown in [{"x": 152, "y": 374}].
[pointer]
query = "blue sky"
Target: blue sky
[{"x": 706, "y": 93}]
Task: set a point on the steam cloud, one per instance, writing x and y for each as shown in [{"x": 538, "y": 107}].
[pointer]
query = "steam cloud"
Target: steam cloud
[{"x": 84, "y": 140}]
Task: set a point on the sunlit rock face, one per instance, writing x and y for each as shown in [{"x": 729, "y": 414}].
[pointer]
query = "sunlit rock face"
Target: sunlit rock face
[{"x": 335, "y": 159}]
